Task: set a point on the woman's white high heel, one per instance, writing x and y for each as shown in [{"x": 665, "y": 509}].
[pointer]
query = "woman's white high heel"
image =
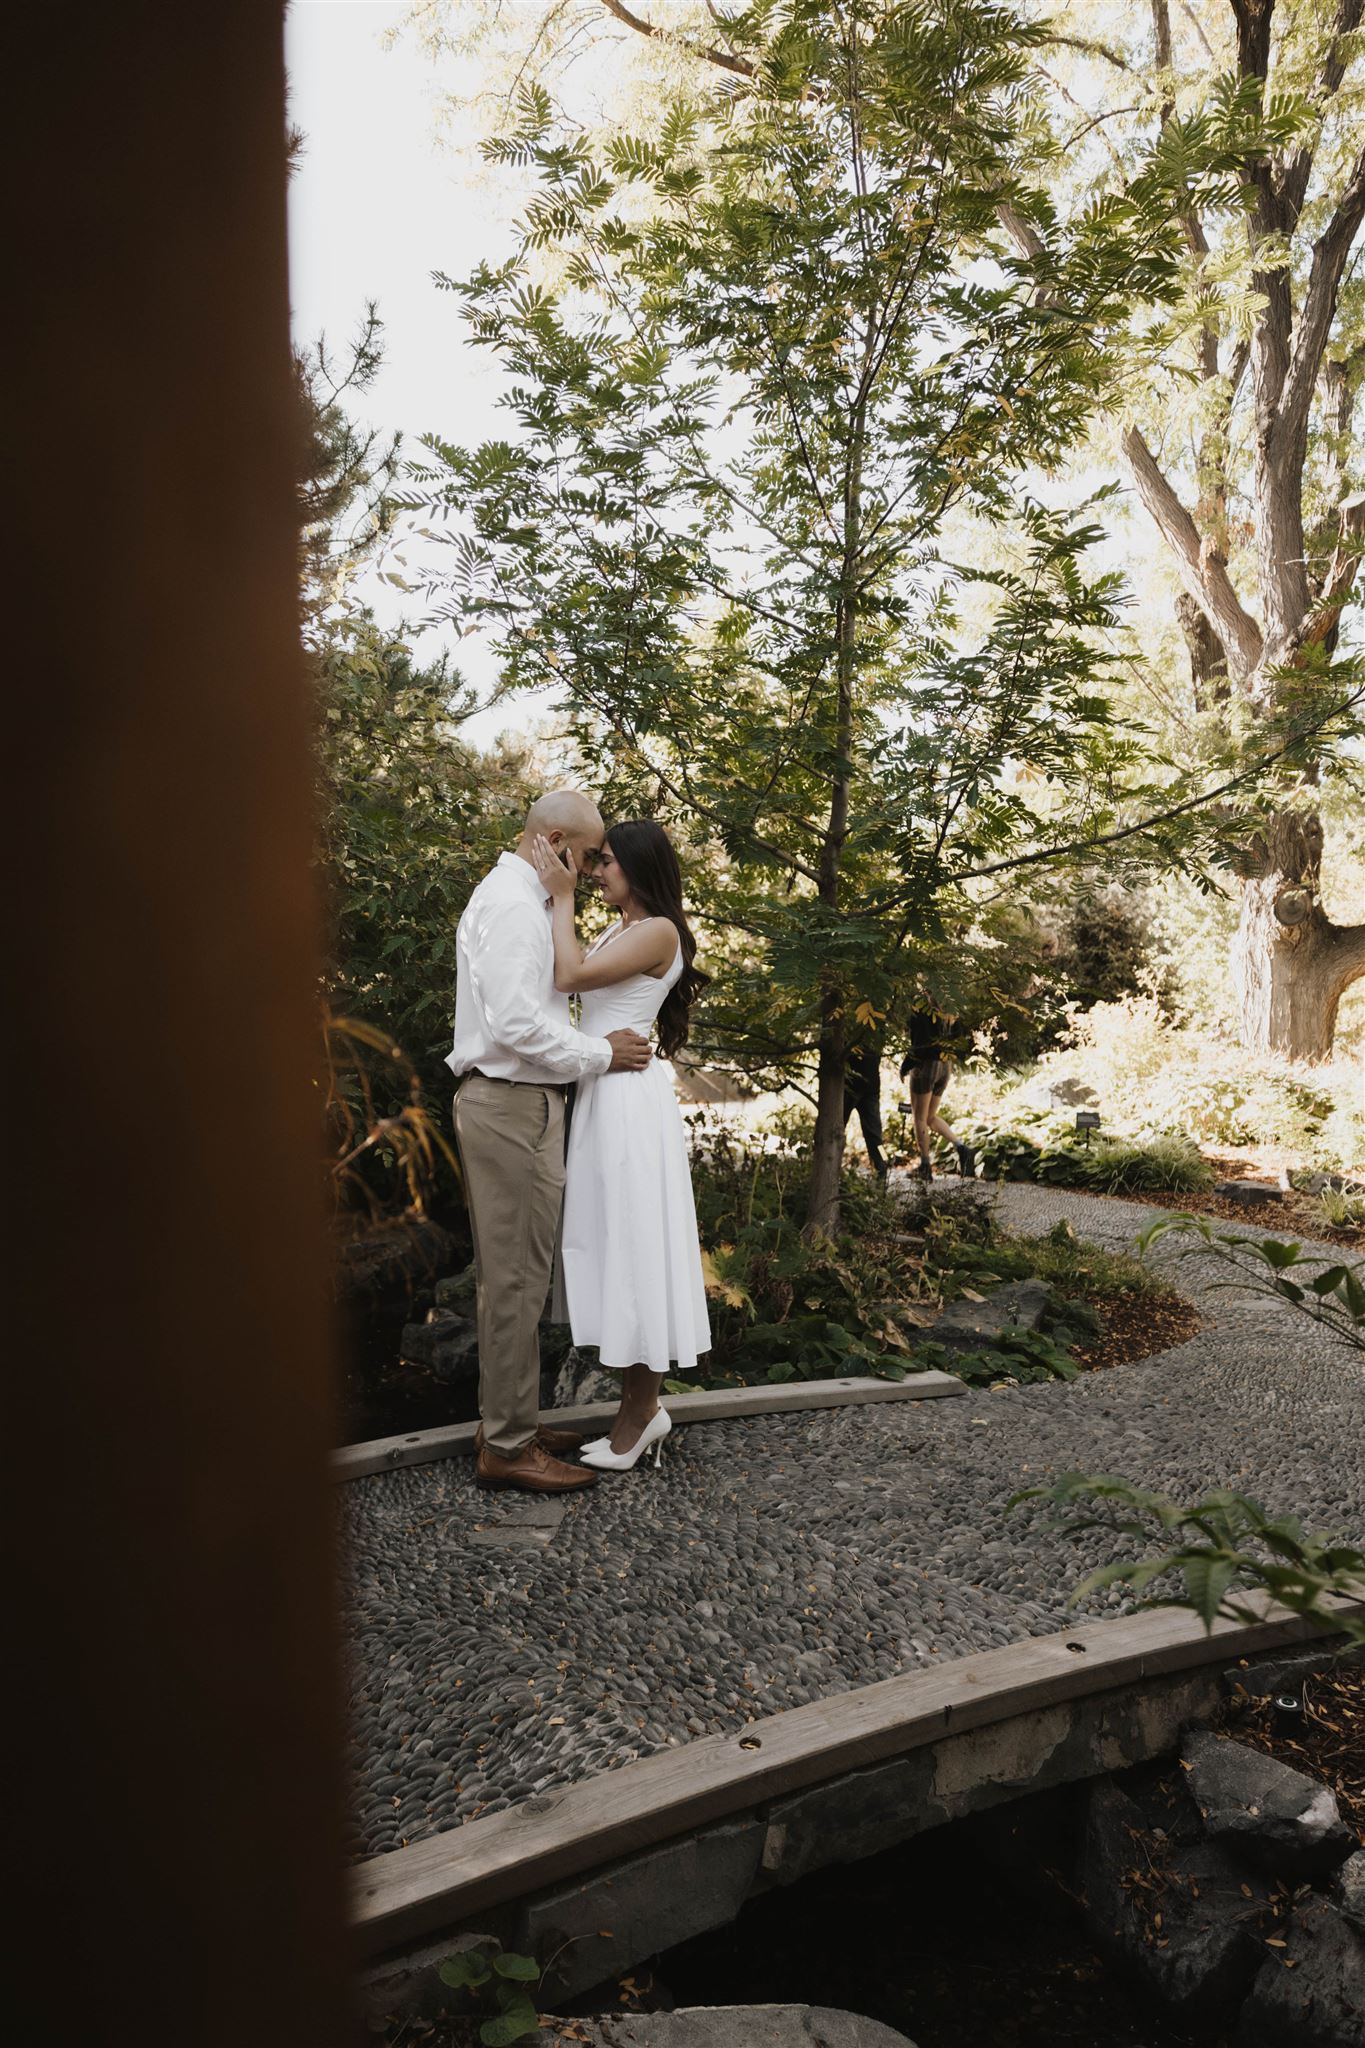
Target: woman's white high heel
[{"x": 603, "y": 1458}]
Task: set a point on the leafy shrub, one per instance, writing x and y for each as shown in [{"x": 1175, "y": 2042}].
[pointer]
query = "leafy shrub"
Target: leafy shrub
[
  {"x": 377, "y": 1160},
  {"x": 1026, "y": 1357},
  {"x": 1343, "y": 1208},
  {"x": 1332, "y": 1296},
  {"x": 783, "y": 1309},
  {"x": 411, "y": 817},
  {"x": 1042, "y": 1148},
  {"x": 1219, "y": 1550},
  {"x": 1149, "y": 1070},
  {"x": 511, "y": 1978}
]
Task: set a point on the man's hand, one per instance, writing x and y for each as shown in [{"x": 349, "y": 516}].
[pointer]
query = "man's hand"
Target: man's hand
[
  {"x": 630, "y": 1054},
  {"x": 559, "y": 872}
]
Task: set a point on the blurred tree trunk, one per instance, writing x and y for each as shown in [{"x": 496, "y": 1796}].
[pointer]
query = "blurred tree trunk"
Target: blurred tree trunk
[{"x": 176, "y": 1810}]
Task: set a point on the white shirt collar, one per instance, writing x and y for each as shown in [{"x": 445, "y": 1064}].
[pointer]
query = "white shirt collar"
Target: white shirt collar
[{"x": 524, "y": 869}]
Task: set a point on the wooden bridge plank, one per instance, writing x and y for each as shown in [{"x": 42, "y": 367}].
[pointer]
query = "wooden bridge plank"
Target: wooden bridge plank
[
  {"x": 423, "y": 1447},
  {"x": 464, "y": 1871}
]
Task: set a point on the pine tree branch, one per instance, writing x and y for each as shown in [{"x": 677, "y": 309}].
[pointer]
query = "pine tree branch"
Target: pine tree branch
[{"x": 1204, "y": 575}]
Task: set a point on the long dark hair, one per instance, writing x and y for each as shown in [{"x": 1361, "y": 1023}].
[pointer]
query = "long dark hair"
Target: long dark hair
[{"x": 650, "y": 865}]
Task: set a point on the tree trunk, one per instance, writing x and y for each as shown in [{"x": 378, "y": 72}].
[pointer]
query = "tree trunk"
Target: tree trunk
[
  {"x": 822, "y": 1212},
  {"x": 1208, "y": 657},
  {"x": 827, "y": 1162},
  {"x": 1291, "y": 964}
]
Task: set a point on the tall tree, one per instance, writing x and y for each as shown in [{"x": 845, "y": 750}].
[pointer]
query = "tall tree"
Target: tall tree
[
  {"x": 1259, "y": 369},
  {"x": 756, "y": 358},
  {"x": 1238, "y": 435}
]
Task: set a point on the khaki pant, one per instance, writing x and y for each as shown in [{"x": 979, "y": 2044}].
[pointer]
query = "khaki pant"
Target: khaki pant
[{"x": 511, "y": 1143}]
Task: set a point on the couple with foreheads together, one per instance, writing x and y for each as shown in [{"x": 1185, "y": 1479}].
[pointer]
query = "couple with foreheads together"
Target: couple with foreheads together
[{"x": 628, "y": 1279}]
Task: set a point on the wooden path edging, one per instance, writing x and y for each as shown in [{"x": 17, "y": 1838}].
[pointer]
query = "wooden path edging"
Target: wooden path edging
[
  {"x": 435, "y": 1885},
  {"x": 425, "y": 1446}
]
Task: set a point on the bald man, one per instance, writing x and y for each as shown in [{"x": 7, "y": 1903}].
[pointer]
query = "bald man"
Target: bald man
[{"x": 516, "y": 1052}]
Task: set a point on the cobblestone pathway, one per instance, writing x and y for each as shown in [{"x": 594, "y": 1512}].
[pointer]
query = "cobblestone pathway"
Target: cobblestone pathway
[{"x": 499, "y": 1647}]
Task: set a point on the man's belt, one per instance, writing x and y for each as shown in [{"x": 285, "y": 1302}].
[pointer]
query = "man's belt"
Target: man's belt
[{"x": 502, "y": 1081}]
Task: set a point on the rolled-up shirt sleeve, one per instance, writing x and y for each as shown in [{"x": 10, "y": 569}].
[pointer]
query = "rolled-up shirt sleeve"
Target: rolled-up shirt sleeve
[{"x": 505, "y": 964}]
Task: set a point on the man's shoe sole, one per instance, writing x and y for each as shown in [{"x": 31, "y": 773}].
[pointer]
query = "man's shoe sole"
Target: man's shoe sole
[{"x": 521, "y": 1485}]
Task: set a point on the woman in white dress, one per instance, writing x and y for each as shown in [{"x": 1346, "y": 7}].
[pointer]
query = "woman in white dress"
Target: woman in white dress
[{"x": 630, "y": 1262}]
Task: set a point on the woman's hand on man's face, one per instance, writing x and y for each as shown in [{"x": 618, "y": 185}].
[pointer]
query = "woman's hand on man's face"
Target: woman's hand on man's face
[{"x": 559, "y": 874}]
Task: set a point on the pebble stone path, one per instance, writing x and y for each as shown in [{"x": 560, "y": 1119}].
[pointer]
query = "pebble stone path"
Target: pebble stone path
[{"x": 499, "y": 1647}]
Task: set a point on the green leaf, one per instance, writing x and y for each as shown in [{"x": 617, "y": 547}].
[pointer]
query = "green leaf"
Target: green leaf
[
  {"x": 524, "y": 1969},
  {"x": 1206, "y": 1581},
  {"x": 510, "y": 2026},
  {"x": 465, "y": 1972}
]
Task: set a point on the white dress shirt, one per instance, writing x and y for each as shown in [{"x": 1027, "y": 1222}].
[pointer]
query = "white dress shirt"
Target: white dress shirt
[{"x": 510, "y": 1020}]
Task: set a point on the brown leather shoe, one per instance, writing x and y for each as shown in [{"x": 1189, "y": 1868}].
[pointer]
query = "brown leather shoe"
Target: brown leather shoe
[
  {"x": 555, "y": 1441},
  {"x": 533, "y": 1470}
]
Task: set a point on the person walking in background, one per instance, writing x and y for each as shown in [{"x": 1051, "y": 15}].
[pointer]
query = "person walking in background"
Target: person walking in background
[
  {"x": 516, "y": 1051},
  {"x": 863, "y": 1092},
  {"x": 630, "y": 1272},
  {"x": 926, "y": 1068}
]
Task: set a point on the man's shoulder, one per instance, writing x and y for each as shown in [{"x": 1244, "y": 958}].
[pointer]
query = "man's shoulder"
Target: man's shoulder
[{"x": 505, "y": 895}]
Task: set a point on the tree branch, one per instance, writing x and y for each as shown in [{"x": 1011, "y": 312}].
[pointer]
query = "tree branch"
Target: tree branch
[
  {"x": 726, "y": 60},
  {"x": 1347, "y": 953},
  {"x": 1204, "y": 575},
  {"x": 1295, "y": 172},
  {"x": 1341, "y": 574},
  {"x": 1090, "y": 49},
  {"x": 1193, "y": 803},
  {"x": 1330, "y": 252}
]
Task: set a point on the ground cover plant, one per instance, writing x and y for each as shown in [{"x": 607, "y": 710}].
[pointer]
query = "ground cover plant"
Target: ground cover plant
[
  {"x": 1039, "y": 1147},
  {"x": 784, "y": 1307}
]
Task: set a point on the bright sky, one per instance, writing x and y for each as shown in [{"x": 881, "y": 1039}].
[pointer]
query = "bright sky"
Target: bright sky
[{"x": 376, "y": 205}]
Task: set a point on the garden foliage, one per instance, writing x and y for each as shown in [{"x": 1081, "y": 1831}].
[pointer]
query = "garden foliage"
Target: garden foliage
[
  {"x": 784, "y": 1307},
  {"x": 1215, "y": 1553},
  {"x": 1039, "y": 1147}
]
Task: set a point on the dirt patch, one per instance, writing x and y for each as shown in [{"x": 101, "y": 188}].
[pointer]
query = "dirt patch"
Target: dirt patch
[
  {"x": 1328, "y": 1743},
  {"x": 1138, "y": 1326}
]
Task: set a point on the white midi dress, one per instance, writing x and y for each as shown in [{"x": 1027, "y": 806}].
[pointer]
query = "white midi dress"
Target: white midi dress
[{"x": 629, "y": 1278}]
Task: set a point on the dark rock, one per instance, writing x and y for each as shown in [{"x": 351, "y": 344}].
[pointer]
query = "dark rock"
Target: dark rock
[
  {"x": 1202, "y": 1959},
  {"x": 458, "y": 1291},
  {"x": 975, "y": 1325},
  {"x": 447, "y": 1344},
  {"x": 741, "y": 2026},
  {"x": 1252, "y": 1194},
  {"x": 595, "y": 1929},
  {"x": 1350, "y": 1891},
  {"x": 1288, "y": 1674},
  {"x": 397, "y": 1256},
  {"x": 1277, "y": 1818},
  {"x": 1311, "y": 1994},
  {"x": 581, "y": 1379}
]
